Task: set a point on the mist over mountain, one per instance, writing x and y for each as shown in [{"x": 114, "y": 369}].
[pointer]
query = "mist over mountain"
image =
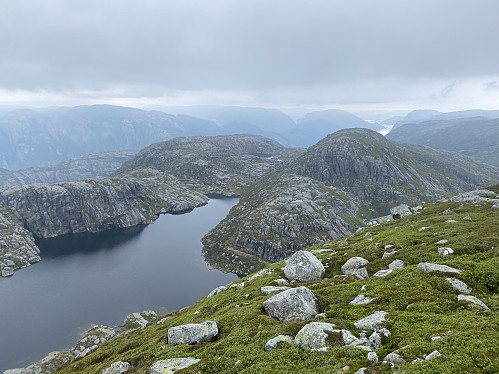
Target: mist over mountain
[{"x": 418, "y": 116}]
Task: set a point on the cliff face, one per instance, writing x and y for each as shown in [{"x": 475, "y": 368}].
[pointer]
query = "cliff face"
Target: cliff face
[
  {"x": 97, "y": 165},
  {"x": 329, "y": 190},
  {"x": 17, "y": 245}
]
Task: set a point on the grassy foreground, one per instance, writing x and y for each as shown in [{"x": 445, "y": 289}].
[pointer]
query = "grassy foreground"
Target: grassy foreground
[{"x": 420, "y": 306}]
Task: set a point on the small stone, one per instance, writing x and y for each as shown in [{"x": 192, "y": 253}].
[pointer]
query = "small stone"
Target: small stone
[
  {"x": 272, "y": 290},
  {"x": 371, "y": 322},
  {"x": 415, "y": 361},
  {"x": 361, "y": 299},
  {"x": 423, "y": 228},
  {"x": 433, "y": 355},
  {"x": 313, "y": 337},
  {"x": 385, "y": 332},
  {"x": 388, "y": 246},
  {"x": 303, "y": 266},
  {"x": 393, "y": 358},
  {"x": 397, "y": 264},
  {"x": 372, "y": 357},
  {"x": 448, "y": 212},
  {"x": 321, "y": 315},
  {"x": 119, "y": 367},
  {"x": 428, "y": 267},
  {"x": 433, "y": 339},
  {"x": 443, "y": 241},
  {"x": 445, "y": 251},
  {"x": 375, "y": 341},
  {"x": 363, "y": 288},
  {"x": 261, "y": 273},
  {"x": 388, "y": 254},
  {"x": 382, "y": 273},
  {"x": 281, "y": 282},
  {"x": 450, "y": 221},
  {"x": 459, "y": 285},
  {"x": 238, "y": 286},
  {"x": 361, "y": 371},
  {"x": 342, "y": 244},
  {"x": 467, "y": 218},
  {"x": 474, "y": 300},
  {"x": 171, "y": 365},
  {"x": 272, "y": 343}
]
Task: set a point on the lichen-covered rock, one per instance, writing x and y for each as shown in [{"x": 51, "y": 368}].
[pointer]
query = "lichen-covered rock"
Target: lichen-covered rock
[
  {"x": 281, "y": 282},
  {"x": 172, "y": 365},
  {"x": 313, "y": 337},
  {"x": 459, "y": 285},
  {"x": 303, "y": 266},
  {"x": 474, "y": 300},
  {"x": 428, "y": 267},
  {"x": 272, "y": 343},
  {"x": 296, "y": 304},
  {"x": 393, "y": 358},
  {"x": 372, "y": 357},
  {"x": 371, "y": 322},
  {"x": 356, "y": 266},
  {"x": 119, "y": 367},
  {"x": 388, "y": 254},
  {"x": 193, "y": 333},
  {"x": 272, "y": 290},
  {"x": 433, "y": 355}
]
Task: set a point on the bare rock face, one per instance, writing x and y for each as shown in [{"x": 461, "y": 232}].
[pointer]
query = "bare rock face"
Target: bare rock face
[
  {"x": 303, "y": 266},
  {"x": 193, "y": 333},
  {"x": 296, "y": 304}
]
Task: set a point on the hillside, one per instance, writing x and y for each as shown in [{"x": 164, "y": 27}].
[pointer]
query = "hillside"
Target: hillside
[
  {"x": 96, "y": 165},
  {"x": 477, "y": 137},
  {"x": 413, "y": 312},
  {"x": 329, "y": 190}
]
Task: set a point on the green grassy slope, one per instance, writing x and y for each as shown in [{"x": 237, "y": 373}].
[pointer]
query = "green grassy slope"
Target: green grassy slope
[{"x": 420, "y": 306}]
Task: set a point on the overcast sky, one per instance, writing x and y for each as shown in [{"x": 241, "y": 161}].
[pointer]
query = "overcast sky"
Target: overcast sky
[{"x": 345, "y": 54}]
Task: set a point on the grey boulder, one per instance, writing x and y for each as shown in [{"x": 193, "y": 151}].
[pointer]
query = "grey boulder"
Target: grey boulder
[
  {"x": 272, "y": 290},
  {"x": 303, "y": 266},
  {"x": 459, "y": 285},
  {"x": 396, "y": 264},
  {"x": 193, "y": 333},
  {"x": 361, "y": 299},
  {"x": 393, "y": 358},
  {"x": 371, "y": 322},
  {"x": 428, "y": 267},
  {"x": 172, "y": 365},
  {"x": 313, "y": 336},
  {"x": 356, "y": 266},
  {"x": 474, "y": 300},
  {"x": 296, "y": 304}
]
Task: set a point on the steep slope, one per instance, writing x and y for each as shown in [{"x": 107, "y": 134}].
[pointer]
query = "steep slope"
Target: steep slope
[
  {"x": 212, "y": 165},
  {"x": 327, "y": 192},
  {"x": 34, "y": 137},
  {"x": 423, "y": 312},
  {"x": 477, "y": 137},
  {"x": 96, "y": 165}
]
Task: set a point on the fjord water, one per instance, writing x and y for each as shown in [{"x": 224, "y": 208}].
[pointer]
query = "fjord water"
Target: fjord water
[{"x": 100, "y": 278}]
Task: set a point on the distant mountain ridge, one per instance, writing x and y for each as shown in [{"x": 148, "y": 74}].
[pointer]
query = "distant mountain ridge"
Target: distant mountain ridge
[{"x": 477, "y": 137}]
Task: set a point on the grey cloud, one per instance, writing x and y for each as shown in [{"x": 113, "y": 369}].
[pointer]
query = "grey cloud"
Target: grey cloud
[
  {"x": 491, "y": 86},
  {"x": 255, "y": 46}
]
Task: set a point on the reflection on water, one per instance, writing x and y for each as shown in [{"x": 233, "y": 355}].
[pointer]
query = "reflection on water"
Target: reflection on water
[
  {"x": 70, "y": 244},
  {"x": 100, "y": 278}
]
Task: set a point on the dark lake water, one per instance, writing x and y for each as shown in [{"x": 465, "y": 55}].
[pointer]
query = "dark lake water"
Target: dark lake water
[{"x": 100, "y": 278}]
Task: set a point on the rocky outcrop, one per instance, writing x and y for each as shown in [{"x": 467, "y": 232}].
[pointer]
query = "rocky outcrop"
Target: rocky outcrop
[
  {"x": 329, "y": 190},
  {"x": 17, "y": 245},
  {"x": 428, "y": 267},
  {"x": 97, "y": 165}
]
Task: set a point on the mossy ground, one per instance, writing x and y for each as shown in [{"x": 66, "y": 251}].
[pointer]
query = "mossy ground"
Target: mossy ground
[{"x": 420, "y": 306}]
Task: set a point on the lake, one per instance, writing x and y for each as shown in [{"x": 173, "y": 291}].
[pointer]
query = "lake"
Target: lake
[{"x": 100, "y": 278}]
